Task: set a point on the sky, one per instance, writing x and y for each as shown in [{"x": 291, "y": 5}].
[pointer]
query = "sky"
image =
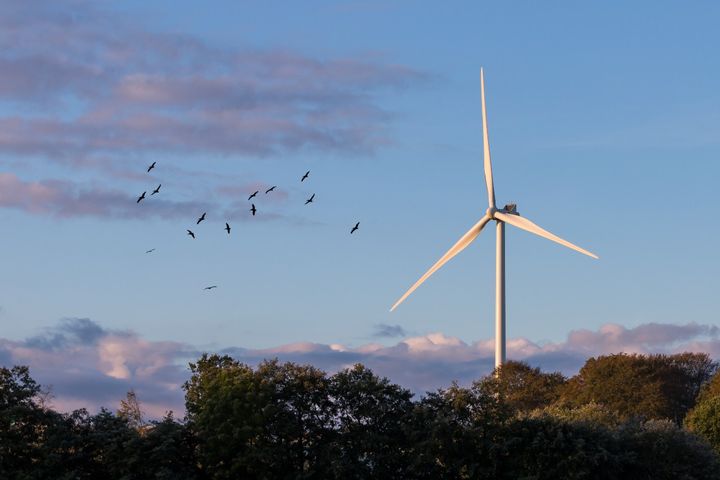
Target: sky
[{"x": 604, "y": 129}]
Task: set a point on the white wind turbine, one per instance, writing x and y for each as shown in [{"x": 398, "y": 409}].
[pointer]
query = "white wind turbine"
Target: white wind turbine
[{"x": 507, "y": 214}]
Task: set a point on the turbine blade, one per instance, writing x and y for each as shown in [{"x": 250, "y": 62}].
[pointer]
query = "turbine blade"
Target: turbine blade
[
  {"x": 486, "y": 146},
  {"x": 529, "y": 226},
  {"x": 464, "y": 241}
]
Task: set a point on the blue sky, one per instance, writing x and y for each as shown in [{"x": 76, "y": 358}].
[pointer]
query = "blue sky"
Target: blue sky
[{"x": 604, "y": 129}]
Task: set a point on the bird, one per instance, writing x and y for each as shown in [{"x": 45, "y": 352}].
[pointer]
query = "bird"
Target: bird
[
  {"x": 251, "y": 196},
  {"x": 357, "y": 225},
  {"x": 210, "y": 287},
  {"x": 200, "y": 219},
  {"x": 307, "y": 174},
  {"x": 191, "y": 233},
  {"x": 157, "y": 190},
  {"x": 227, "y": 227},
  {"x": 309, "y": 200},
  {"x": 151, "y": 167},
  {"x": 253, "y": 209},
  {"x": 270, "y": 189},
  {"x": 150, "y": 251},
  {"x": 141, "y": 197}
]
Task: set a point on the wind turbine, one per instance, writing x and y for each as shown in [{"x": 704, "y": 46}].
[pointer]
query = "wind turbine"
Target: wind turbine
[{"x": 508, "y": 214}]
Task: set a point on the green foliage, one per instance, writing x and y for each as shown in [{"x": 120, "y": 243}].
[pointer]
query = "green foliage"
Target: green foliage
[
  {"x": 523, "y": 388},
  {"x": 369, "y": 418},
  {"x": 663, "y": 451},
  {"x": 588, "y": 414},
  {"x": 22, "y": 421},
  {"x": 268, "y": 423},
  {"x": 704, "y": 420},
  {"x": 456, "y": 433},
  {"x": 642, "y": 386},
  {"x": 710, "y": 389},
  {"x": 130, "y": 411},
  {"x": 546, "y": 447},
  {"x": 289, "y": 421}
]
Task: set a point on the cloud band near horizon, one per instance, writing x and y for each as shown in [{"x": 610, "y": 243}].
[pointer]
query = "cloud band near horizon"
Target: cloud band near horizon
[{"x": 89, "y": 366}]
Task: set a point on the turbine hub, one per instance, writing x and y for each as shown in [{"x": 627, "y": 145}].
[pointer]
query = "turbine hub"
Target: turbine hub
[{"x": 490, "y": 212}]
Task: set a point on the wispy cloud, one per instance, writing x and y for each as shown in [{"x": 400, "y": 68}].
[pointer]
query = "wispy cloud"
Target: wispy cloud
[
  {"x": 90, "y": 366},
  {"x": 62, "y": 198},
  {"x": 383, "y": 330},
  {"x": 101, "y": 93}
]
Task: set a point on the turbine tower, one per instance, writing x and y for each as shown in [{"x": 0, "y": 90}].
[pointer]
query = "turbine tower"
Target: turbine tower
[{"x": 508, "y": 214}]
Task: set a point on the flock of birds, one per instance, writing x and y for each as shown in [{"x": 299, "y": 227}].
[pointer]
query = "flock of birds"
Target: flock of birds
[{"x": 227, "y": 228}]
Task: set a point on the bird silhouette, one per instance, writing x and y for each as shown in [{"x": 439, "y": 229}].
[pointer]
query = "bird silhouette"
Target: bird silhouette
[
  {"x": 150, "y": 251},
  {"x": 191, "y": 233},
  {"x": 227, "y": 227},
  {"x": 309, "y": 200},
  {"x": 157, "y": 190},
  {"x": 357, "y": 225},
  {"x": 253, "y": 209},
  {"x": 151, "y": 166},
  {"x": 201, "y": 219},
  {"x": 305, "y": 176},
  {"x": 141, "y": 197},
  {"x": 270, "y": 189},
  {"x": 251, "y": 196},
  {"x": 210, "y": 287}
]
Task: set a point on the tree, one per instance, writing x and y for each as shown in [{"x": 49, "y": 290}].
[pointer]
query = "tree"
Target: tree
[
  {"x": 710, "y": 389},
  {"x": 225, "y": 404},
  {"x": 645, "y": 386},
  {"x": 370, "y": 415},
  {"x": 704, "y": 420},
  {"x": 458, "y": 433},
  {"x": 267, "y": 423},
  {"x": 523, "y": 388},
  {"x": 21, "y": 421},
  {"x": 661, "y": 450},
  {"x": 131, "y": 412},
  {"x": 165, "y": 452}
]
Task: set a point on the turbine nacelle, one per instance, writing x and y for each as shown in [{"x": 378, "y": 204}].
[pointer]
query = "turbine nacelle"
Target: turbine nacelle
[{"x": 510, "y": 209}]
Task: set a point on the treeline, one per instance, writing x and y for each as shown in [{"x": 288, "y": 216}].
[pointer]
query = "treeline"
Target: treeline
[{"x": 621, "y": 417}]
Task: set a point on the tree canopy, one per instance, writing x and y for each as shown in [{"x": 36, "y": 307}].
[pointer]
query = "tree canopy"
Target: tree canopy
[{"x": 620, "y": 417}]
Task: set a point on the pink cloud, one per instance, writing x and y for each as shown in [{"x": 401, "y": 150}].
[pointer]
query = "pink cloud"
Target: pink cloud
[
  {"x": 90, "y": 366},
  {"x": 176, "y": 93},
  {"x": 67, "y": 199}
]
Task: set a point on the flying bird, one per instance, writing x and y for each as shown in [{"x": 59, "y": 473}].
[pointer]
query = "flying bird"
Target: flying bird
[
  {"x": 270, "y": 189},
  {"x": 251, "y": 196},
  {"x": 191, "y": 233},
  {"x": 253, "y": 209},
  {"x": 307, "y": 174},
  {"x": 151, "y": 166},
  {"x": 357, "y": 225},
  {"x": 200, "y": 219},
  {"x": 150, "y": 251},
  {"x": 157, "y": 190},
  {"x": 141, "y": 197},
  {"x": 210, "y": 287},
  {"x": 227, "y": 227},
  {"x": 309, "y": 200}
]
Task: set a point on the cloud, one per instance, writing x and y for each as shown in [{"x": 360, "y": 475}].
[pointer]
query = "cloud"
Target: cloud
[
  {"x": 60, "y": 198},
  {"x": 383, "y": 330},
  {"x": 90, "y": 366},
  {"x": 109, "y": 87}
]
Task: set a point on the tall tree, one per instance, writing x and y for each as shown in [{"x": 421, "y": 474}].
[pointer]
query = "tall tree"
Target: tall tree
[
  {"x": 522, "y": 387},
  {"x": 646, "y": 386},
  {"x": 370, "y": 417},
  {"x": 130, "y": 411}
]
